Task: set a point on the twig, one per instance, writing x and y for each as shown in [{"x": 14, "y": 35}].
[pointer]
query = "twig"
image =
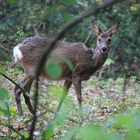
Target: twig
[{"x": 12, "y": 81}]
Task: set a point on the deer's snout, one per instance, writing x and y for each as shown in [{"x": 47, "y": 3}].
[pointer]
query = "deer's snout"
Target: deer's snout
[{"x": 103, "y": 49}]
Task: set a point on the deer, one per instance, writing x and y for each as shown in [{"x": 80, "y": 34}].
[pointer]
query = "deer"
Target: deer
[{"x": 85, "y": 62}]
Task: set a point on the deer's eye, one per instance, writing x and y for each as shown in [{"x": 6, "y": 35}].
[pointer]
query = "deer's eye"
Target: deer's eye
[{"x": 109, "y": 40}]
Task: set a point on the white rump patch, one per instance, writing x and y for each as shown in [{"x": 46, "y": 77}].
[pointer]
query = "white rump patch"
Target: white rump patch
[{"x": 17, "y": 53}]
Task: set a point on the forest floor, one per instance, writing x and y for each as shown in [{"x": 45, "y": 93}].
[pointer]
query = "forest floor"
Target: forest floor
[{"x": 102, "y": 99}]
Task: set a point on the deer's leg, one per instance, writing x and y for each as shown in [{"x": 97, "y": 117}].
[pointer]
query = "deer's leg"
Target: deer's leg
[
  {"x": 27, "y": 87},
  {"x": 66, "y": 88},
  {"x": 77, "y": 85},
  {"x": 25, "y": 84},
  {"x": 17, "y": 92}
]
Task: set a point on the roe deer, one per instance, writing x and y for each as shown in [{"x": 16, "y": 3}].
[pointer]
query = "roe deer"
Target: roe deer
[{"x": 85, "y": 61}]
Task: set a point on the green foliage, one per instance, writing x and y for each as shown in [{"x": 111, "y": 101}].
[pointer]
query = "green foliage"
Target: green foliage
[
  {"x": 3, "y": 94},
  {"x": 12, "y": 1},
  {"x": 55, "y": 90},
  {"x": 64, "y": 113},
  {"x": 19, "y": 34},
  {"x": 98, "y": 1},
  {"x": 69, "y": 135},
  {"x": 4, "y": 105},
  {"x": 109, "y": 61},
  {"x": 121, "y": 127},
  {"x": 69, "y": 2},
  {"x": 2, "y": 69},
  {"x": 53, "y": 70},
  {"x": 49, "y": 132},
  {"x": 66, "y": 16}
]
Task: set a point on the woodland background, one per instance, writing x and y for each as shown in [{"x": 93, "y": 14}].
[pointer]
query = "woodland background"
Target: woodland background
[{"x": 111, "y": 96}]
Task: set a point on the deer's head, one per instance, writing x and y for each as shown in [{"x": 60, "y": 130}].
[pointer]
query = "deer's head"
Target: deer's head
[{"x": 104, "y": 37}]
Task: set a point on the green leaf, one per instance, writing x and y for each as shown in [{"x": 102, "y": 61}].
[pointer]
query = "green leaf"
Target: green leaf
[
  {"x": 98, "y": 1},
  {"x": 69, "y": 2},
  {"x": 109, "y": 61},
  {"x": 2, "y": 70},
  {"x": 127, "y": 121},
  {"x": 63, "y": 112},
  {"x": 12, "y": 1},
  {"x": 26, "y": 134},
  {"x": 49, "y": 132},
  {"x": 66, "y": 16},
  {"x": 91, "y": 132},
  {"x": 54, "y": 70},
  {"x": 55, "y": 90},
  {"x": 3, "y": 94},
  {"x": 70, "y": 133}
]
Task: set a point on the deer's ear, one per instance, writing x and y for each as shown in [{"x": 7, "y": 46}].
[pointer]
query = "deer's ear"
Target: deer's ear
[
  {"x": 113, "y": 29},
  {"x": 95, "y": 28}
]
